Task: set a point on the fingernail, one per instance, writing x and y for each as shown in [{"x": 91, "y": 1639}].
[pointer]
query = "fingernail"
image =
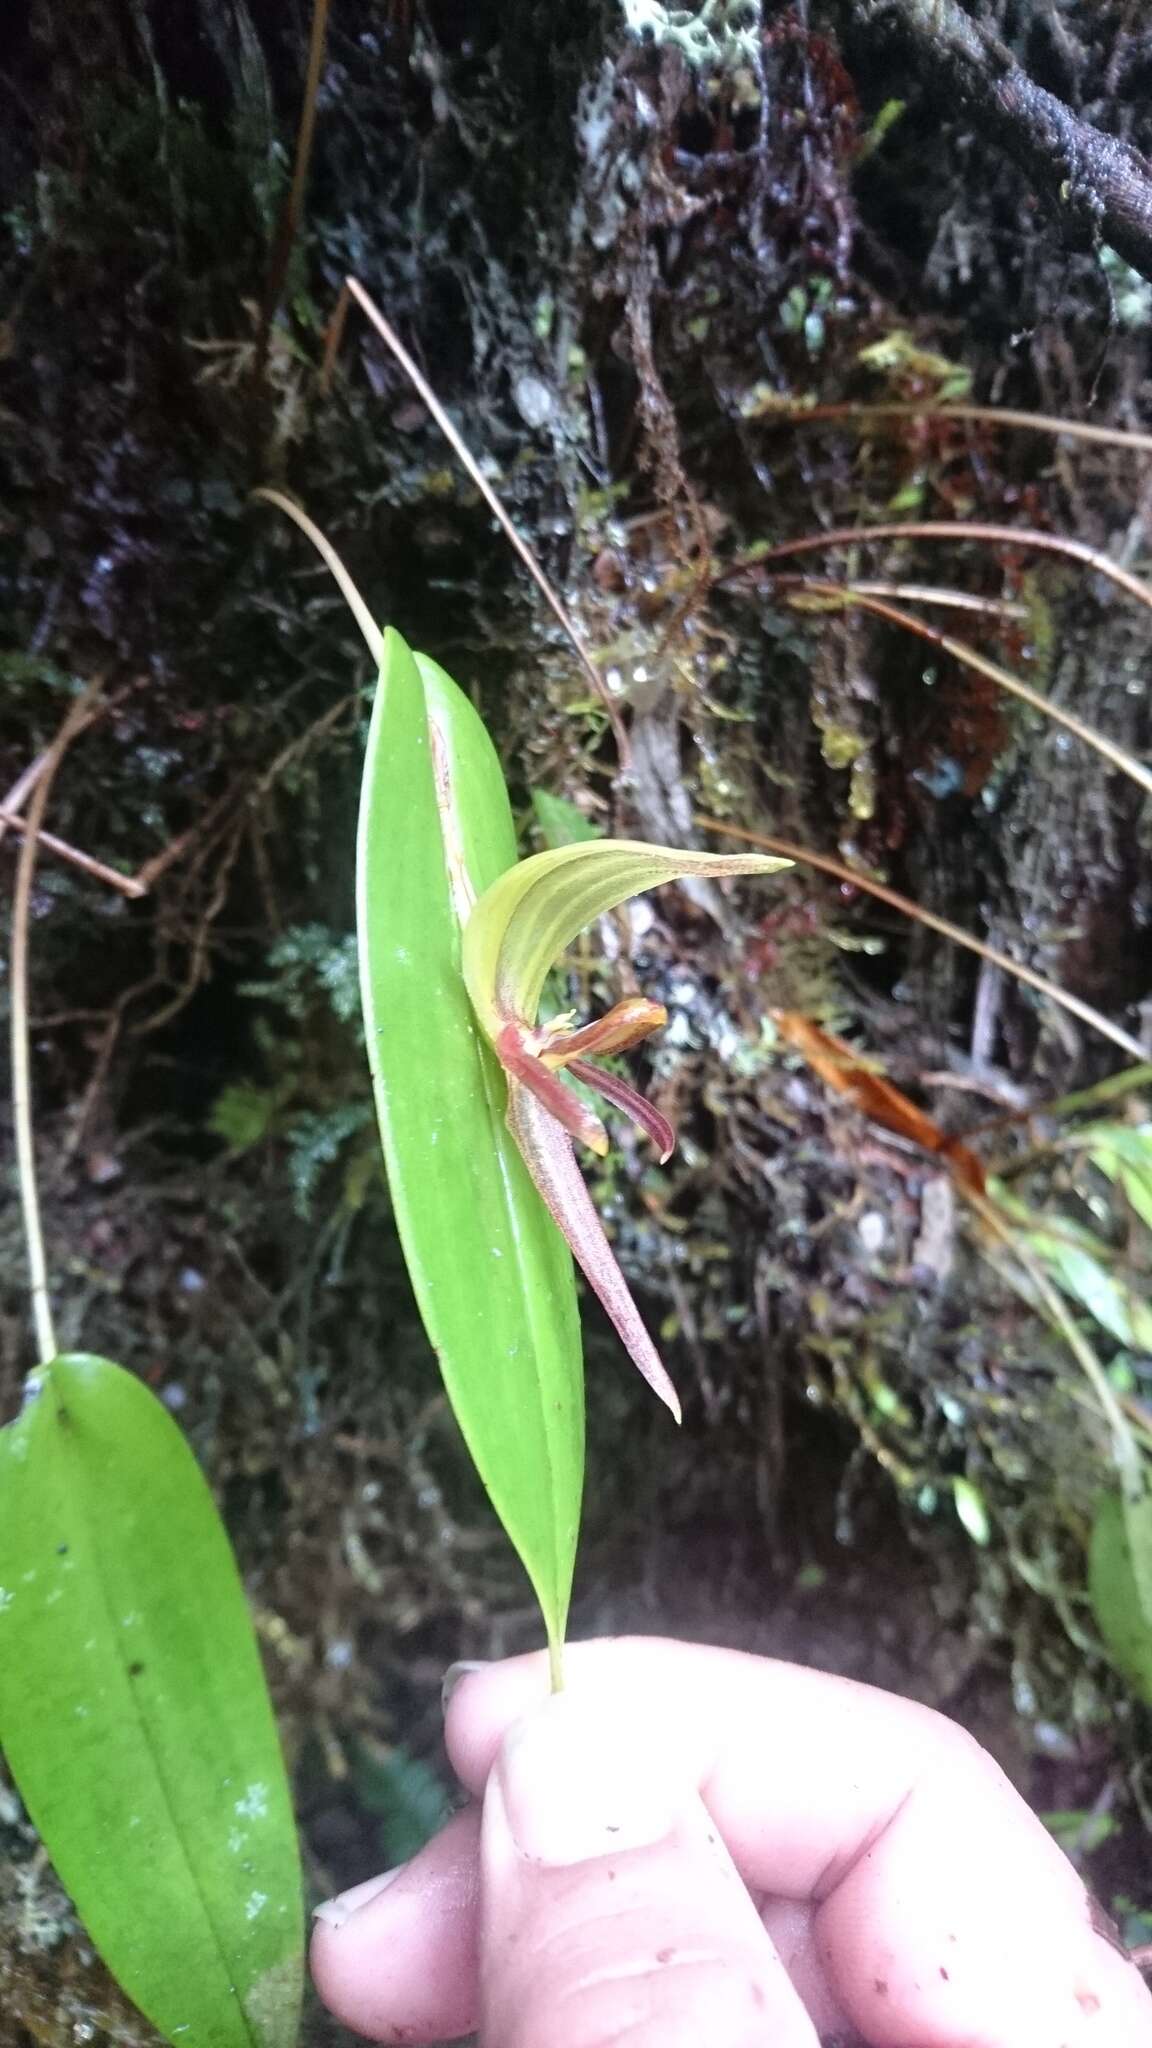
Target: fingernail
[
  {"x": 335, "y": 1912},
  {"x": 454, "y": 1678},
  {"x": 574, "y": 1786}
]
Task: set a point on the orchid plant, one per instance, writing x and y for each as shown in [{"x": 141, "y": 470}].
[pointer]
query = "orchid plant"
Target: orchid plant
[
  {"x": 477, "y": 1114},
  {"x": 456, "y": 940}
]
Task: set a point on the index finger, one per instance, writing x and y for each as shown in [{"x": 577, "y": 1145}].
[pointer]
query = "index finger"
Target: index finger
[{"x": 944, "y": 1912}]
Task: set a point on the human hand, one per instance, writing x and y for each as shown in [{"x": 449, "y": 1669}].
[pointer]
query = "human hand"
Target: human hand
[{"x": 696, "y": 1845}]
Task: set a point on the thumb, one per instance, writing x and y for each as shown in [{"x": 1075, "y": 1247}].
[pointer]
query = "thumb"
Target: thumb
[{"x": 611, "y": 1909}]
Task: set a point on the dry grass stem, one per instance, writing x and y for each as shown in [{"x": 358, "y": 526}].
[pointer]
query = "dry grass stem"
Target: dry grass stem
[
  {"x": 468, "y": 462},
  {"x": 855, "y": 595},
  {"x": 21, "y": 1057},
  {"x": 907, "y": 908}
]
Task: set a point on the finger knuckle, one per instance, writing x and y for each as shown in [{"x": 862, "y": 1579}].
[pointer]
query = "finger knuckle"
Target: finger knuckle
[{"x": 662, "y": 1998}]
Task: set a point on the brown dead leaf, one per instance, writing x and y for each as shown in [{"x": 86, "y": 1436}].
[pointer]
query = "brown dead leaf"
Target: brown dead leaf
[{"x": 841, "y": 1068}]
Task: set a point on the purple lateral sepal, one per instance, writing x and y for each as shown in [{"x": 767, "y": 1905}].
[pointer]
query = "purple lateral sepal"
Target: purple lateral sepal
[
  {"x": 643, "y": 1113},
  {"x": 547, "y": 1152}
]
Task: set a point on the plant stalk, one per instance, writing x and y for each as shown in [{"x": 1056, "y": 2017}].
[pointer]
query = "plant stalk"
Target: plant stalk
[
  {"x": 796, "y": 413},
  {"x": 907, "y": 908},
  {"x": 949, "y": 530},
  {"x": 468, "y": 461},
  {"x": 294, "y": 204},
  {"x": 556, "y": 1663},
  {"x": 125, "y": 885},
  {"x": 855, "y": 597},
  {"x": 21, "y": 1055},
  {"x": 1126, "y": 1456}
]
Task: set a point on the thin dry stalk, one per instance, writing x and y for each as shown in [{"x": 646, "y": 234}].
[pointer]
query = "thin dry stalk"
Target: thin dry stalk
[
  {"x": 951, "y": 530},
  {"x": 951, "y": 600},
  {"x": 907, "y": 908},
  {"x": 451, "y": 433},
  {"x": 857, "y": 597},
  {"x": 799, "y": 413},
  {"x": 21, "y": 1057},
  {"x": 361, "y": 612}
]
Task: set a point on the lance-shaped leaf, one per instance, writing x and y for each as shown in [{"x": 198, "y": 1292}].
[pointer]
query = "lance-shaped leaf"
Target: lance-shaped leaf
[
  {"x": 1120, "y": 1579},
  {"x": 511, "y": 942},
  {"x": 134, "y": 1714},
  {"x": 491, "y": 1275}
]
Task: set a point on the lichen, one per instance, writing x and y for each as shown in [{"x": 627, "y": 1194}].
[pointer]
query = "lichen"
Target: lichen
[{"x": 714, "y": 33}]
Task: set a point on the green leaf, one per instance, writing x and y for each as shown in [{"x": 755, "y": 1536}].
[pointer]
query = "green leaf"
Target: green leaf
[
  {"x": 971, "y": 1509},
  {"x": 1115, "y": 1306},
  {"x": 1120, "y": 1581},
  {"x": 1124, "y": 1153},
  {"x": 491, "y": 1274},
  {"x": 562, "y": 823},
  {"x": 134, "y": 1714},
  {"x": 1075, "y": 1259},
  {"x": 405, "y": 1794},
  {"x": 524, "y": 920}
]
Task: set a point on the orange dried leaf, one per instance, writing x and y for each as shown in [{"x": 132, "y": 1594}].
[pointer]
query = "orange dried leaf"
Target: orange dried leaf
[{"x": 841, "y": 1068}]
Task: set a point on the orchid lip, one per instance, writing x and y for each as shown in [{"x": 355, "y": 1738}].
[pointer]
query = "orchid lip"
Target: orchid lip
[{"x": 620, "y": 1028}]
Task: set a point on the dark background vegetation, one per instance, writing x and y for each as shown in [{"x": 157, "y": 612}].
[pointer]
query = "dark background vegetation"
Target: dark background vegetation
[{"x": 599, "y": 241}]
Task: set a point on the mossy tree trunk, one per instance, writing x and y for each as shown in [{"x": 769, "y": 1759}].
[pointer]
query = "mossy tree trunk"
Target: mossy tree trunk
[{"x": 607, "y": 230}]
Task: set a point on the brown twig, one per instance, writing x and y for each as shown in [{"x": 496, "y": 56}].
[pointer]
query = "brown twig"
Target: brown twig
[
  {"x": 151, "y": 870},
  {"x": 128, "y": 885},
  {"x": 26, "y": 781},
  {"x": 798, "y": 412},
  {"x": 290, "y": 213},
  {"x": 950, "y": 600},
  {"x": 109, "y": 1039},
  {"x": 1100, "y": 186}
]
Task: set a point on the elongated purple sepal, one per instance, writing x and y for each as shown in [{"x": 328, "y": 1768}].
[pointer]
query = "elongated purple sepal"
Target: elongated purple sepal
[
  {"x": 548, "y": 1155},
  {"x": 642, "y": 1112}
]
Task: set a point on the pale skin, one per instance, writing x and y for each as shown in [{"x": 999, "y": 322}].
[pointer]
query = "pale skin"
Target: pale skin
[{"x": 692, "y": 1846}]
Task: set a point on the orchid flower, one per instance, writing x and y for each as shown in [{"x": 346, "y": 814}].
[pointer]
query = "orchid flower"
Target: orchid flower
[{"x": 512, "y": 939}]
